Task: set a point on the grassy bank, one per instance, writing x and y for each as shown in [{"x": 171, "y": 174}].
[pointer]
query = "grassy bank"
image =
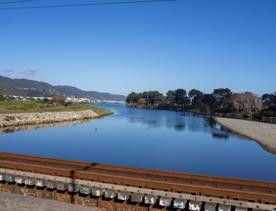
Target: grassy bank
[{"x": 39, "y": 106}]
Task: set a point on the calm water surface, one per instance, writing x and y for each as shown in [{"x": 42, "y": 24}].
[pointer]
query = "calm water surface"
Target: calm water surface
[{"x": 164, "y": 140}]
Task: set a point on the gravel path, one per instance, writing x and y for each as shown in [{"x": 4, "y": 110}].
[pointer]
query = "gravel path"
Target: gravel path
[
  {"x": 263, "y": 133},
  {"x": 15, "y": 202}
]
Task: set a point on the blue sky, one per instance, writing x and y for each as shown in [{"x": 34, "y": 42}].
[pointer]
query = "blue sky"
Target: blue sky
[{"x": 203, "y": 44}]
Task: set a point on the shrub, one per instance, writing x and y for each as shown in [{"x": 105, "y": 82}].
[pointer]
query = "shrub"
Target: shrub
[
  {"x": 67, "y": 103},
  {"x": 45, "y": 100}
]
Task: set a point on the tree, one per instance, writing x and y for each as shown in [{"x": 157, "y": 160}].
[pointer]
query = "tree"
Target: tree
[
  {"x": 269, "y": 110},
  {"x": 132, "y": 98},
  {"x": 2, "y": 97},
  {"x": 150, "y": 98},
  {"x": 153, "y": 98},
  {"x": 221, "y": 101},
  {"x": 269, "y": 99},
  {"x": 195, "y": 93},
  {"x": 195, "y": 97},
  {"x": 170, "y": 98},
  {"x": 245, "y": 103},
  {"x": 221, "y": 93},
  {"x": 141, "y": 102},
  {"x": 147, "y": 97},
  {"x": 157, "y": 97},
  {"x": 208, "y": 101},
  {"x": 181, "y": 97}
]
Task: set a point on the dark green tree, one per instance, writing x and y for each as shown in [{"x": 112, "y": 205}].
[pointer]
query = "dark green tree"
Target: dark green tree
[
  {"x": 195, "y": 98},
  {"x": 181, "y": 97},
  {"x": 269, "y": 99},
  {"x": 208, "y": 101},
  {"x": 157, "y": 98},
  {"x": 170, "y": 98},
  {"x": 132, "y": 98},
  {"x": 152, "y": 98},
  {"x": 195, "y": 93},
  {"x": 221, "y": 93}
]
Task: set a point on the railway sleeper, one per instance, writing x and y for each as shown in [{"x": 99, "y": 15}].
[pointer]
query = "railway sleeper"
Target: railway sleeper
[{"x": 141, "y": 196}]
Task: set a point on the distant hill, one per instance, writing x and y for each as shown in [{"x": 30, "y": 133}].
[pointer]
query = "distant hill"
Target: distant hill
[{"x": 31, "y": 88}]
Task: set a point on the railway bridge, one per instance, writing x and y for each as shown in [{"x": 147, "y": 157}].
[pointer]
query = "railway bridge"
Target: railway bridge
[{"x": 120, "y": 188}]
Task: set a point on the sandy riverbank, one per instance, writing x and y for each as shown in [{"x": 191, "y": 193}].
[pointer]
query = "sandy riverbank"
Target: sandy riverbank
[
  {"x": 7, "y": 120},
  {"x": 263, "y": 133}
]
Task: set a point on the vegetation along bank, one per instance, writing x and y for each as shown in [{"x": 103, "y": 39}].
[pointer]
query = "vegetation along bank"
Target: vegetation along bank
[
  {"x": 17, "y": 112},
  {"x": 221, "y": 102}
]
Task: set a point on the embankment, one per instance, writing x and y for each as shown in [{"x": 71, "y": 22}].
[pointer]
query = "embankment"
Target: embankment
[{"x": 7, "y": 120}]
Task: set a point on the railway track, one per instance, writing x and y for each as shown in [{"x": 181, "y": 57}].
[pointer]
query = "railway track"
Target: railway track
[{"x": 227, "y": 188}]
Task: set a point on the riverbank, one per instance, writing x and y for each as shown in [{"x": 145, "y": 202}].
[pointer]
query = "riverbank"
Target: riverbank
[
  {"x": 263, "y": 133},
  {"x": 16, "y": 128},
  {"x": 34, "y": 112},
  {"x": 7, "y": 120},
  {"x": 263, "y": 119}
]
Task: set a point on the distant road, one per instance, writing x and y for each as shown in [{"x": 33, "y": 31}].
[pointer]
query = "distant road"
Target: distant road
[{"x": 263, "y": 133}]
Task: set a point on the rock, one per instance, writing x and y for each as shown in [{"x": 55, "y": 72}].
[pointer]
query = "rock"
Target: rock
[{"x": 45, "y": 117}]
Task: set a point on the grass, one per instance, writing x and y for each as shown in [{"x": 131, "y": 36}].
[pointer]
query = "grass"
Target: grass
[{"x": 34, "y": 106}]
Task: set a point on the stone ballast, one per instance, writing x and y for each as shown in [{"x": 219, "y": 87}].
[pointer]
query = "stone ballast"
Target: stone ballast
[{"x": 45, "y": 117}]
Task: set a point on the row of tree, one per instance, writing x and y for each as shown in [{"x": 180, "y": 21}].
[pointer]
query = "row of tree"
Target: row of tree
[{"x": 220, "y": 101}]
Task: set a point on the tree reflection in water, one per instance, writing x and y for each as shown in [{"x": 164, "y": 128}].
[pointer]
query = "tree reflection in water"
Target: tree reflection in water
[{"x": 180, "y": 122}]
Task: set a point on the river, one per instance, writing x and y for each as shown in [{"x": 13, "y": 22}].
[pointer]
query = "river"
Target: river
[{"x": 152, "y": 139}]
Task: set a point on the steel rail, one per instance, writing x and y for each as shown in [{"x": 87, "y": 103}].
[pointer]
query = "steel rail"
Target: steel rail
[{"x": 228, "y": 188}]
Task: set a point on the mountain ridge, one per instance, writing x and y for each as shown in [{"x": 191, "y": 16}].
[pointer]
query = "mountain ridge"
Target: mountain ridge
[{"x": 33, "y": 88}]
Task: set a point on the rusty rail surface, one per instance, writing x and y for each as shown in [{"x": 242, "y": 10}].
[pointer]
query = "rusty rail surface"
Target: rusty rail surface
[{"x": 228, "y": 188}]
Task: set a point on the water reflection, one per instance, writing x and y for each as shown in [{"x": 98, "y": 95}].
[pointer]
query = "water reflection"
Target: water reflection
[
  {"x": 182, "y": 122},
  {"x": 179, "y": 122},
  {"x": 219, "y": 135}
]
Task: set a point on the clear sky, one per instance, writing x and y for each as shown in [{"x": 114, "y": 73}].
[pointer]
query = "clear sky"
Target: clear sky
[{"x": 201, "y": 44}]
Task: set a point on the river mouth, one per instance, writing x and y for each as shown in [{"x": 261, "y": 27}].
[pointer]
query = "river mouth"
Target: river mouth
[{"x": 151, "y": 139}]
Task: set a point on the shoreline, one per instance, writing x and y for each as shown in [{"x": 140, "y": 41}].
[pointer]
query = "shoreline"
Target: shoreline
[
  {"x": 263, "y": 133},
  {"x": 12, "y": 129},
  {"x": 36, "y": 118},
  {"x": 270, "y": 120}
]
